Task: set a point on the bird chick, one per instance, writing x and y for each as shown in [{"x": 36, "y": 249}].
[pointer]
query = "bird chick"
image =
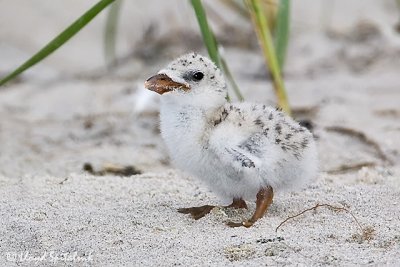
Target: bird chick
[{"x": 243, "y": 151}]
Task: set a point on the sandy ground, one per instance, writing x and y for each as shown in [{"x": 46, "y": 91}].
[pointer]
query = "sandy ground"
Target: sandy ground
[{"x": 343, "y": 78}]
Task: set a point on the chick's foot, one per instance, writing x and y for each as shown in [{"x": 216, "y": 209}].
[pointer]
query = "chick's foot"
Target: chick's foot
[
  {"x": 264, "y": 200},
  {"x": 199, "y": 212}
]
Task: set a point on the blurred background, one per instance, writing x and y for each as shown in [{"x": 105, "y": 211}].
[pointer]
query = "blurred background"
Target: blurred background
[
  {"x": 341, "y": 75},
  {"x": 164, "y": 30}
]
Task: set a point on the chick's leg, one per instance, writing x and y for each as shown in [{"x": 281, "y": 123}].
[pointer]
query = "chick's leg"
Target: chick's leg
[
  {"x": 264, "y": 200},
  {"x": 199, "y": 212}
]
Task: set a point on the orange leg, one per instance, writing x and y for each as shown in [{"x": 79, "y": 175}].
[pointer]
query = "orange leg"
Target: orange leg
[
  {"x": 264, "y": 200},
  {"x": 199, "y": 212}
]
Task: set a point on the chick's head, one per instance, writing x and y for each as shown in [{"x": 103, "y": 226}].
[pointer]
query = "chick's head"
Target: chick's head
[{"x": 190, "y": 77}]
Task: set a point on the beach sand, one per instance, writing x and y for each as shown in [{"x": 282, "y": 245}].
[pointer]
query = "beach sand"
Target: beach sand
[{"x": 343, "y": 78}]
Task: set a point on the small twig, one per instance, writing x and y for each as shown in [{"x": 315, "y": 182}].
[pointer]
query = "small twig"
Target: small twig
[
  {"x": 363, "y": 138},
  {"x": 111, "y": 169},
  {"x": 63, "y": 181},
  {"x": 351, "y": 167},
  {"x": 317, "y": 206}
]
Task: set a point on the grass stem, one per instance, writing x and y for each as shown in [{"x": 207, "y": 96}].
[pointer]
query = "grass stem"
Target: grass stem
[
  {"x": 281, "y": 32},
  {"x": 58, "y": 41},
  {"x": 267, "y": 45},
  {"x": 110, "y": 32},
  {"x": 212, "y": 46}
]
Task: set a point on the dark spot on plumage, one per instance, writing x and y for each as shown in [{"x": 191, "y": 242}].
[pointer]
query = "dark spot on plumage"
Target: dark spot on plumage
[
  {"x": 201, "y": 59},
  {"x": 278, "y": 108},
  {"x": 265, "y": 132},
  {"x": 248, "y": 163},
  {"x": 216, "y": 122},
  {"x": 259, "y": 122},
  {"x": 243, "y": 159},
  {"x": 297, "y": 155},
  {"x": 239, "y": 124},
  {"x": 287, "y": 146},
  {"x": 270, "y": 117},
  {"x": 212, "y": 77},
  {"x": 239, "y": 112},
  {"x": 277, "y": 140},
  {"x": 278, "y": 128},
  {"x": 222, "y": 117},
  {"x": 304, "y": 143},
  {"x": 251, "y": 145},
  {"x": 288, "y": 136}
]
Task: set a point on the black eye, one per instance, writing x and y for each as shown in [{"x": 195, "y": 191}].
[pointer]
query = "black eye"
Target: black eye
[{"x": 198, "y": 76}]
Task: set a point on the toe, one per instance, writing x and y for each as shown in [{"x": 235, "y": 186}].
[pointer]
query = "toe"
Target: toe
[
  {"x": 197, "y": 212},
  {"x": 184, "y": 210},
  {"x": 234, "y": 224},
  {"x": 246, "y": 224}
]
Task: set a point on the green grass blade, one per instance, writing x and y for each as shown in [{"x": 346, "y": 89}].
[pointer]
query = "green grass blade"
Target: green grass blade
[
  {"x": 110, "y": 32},
  {"x": 208, "y": 36},
  {"x": 267, "y": 45},
  {"x": 212, "y": 46},
  {"x": 59, "y": 40},
  {"x": 281, "y": 33},
  {"x": 229, "y": 76}
]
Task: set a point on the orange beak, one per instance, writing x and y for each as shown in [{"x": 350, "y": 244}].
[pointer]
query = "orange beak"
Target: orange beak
[{"x": 161, "y": 84}]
